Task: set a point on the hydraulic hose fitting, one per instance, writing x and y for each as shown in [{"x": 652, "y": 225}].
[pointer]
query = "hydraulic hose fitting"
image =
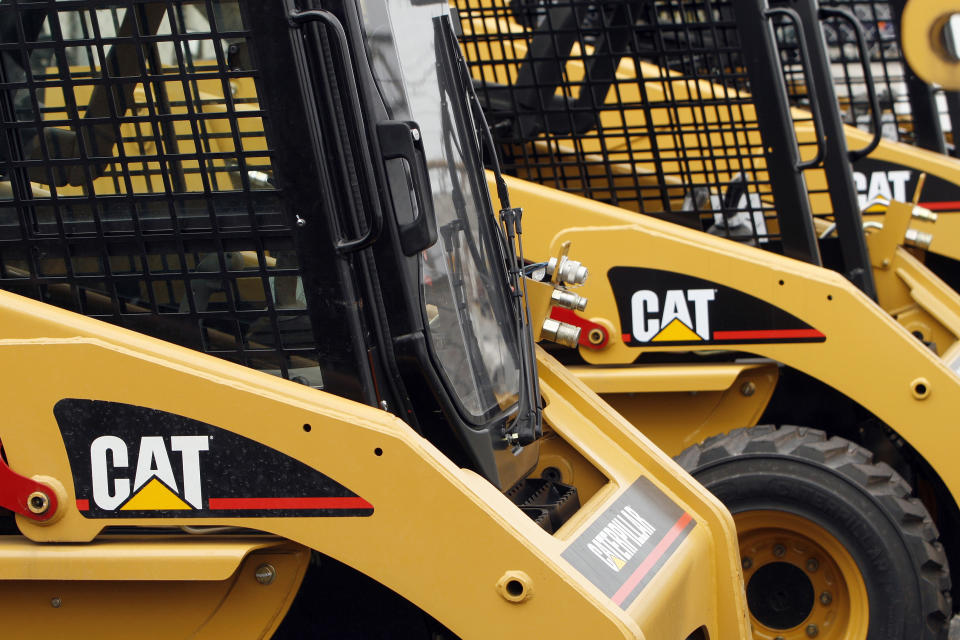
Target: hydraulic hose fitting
[
  {"x": 568, "y": 300},
  {"x": 567, "y": 271},
  {"x": 918, "y": 239},
  {"x": 562, "y": 333}
]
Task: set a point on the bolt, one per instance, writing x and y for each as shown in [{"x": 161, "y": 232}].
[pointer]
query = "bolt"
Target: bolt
[
  {"x": 595, "y": 336},
  {"x": 826, "y": 598},
  {"x": 55, "y": 603},
  {"x": 812, "y": 631},
  {"x": 384, "y": 405},
  {"x": 301, "y": 222},
  {"x": 746, "y": 563},
  {"x": 748, "y": 388},
  {"x": 812, "y": 564},
  {"x": 779, "y": 550},
  {"x": 38, "y": 502},
  {"x": 265, "y": 573}
]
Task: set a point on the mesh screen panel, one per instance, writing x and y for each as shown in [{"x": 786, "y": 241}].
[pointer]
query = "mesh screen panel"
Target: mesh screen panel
[
  {"x": 137, "y": 178},
  {"x": 646, "y": 105},
  {"x": 887, "y": 66}
]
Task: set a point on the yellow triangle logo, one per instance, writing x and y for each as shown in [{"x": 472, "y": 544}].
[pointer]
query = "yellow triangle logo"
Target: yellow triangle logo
[
  {"x": 676, "y": 331},
  {"x": 617, "y": 561},
  {"x": 155, "y": 496}
]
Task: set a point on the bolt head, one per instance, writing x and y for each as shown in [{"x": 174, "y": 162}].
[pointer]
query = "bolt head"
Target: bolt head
[
  {"x": 826, "y": 598},
  {"x": 265, "y": 573},
  {"x": 746, "y": 563},
  {"x": 38, "y": 502},
  {"x": 812, "y": 564},
  {"x": 812, "y": 631},
  {"x": 779, "y": 550},
  {"x": 748, "y": 388},
  {"x": 55, "y": 602}
]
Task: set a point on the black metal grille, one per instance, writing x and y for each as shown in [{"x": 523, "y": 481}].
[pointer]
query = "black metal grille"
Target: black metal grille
[
  {"x": 646, "y": 105},
  {"x": 899, "y": 94},
  {"x": 137, "y": 178}
]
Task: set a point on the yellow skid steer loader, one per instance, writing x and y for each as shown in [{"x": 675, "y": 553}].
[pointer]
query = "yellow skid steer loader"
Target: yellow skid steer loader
[
  {"x": 837, "y": 506},
  {"x": 269, "y": 361}
]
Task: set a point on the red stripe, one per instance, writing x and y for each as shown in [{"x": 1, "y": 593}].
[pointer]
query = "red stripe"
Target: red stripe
[
  {"x": 83, "y": 505},
  {"x": 941, "y": 206},
  {"x": 767, "y": 334},
  {"x": 651, "y": 559},
  {"x": 626, "y": 338},
  {"x": 289, "y": 503}
]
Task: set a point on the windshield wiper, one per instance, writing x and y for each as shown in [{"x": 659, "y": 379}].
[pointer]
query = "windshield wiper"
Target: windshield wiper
[{"x": 526, "y": 428}]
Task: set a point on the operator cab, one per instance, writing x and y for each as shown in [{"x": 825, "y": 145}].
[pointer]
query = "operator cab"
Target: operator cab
[{"x": 316, "y": 209}]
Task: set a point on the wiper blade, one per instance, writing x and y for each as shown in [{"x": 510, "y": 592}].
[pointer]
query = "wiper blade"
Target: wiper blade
[{"x": 527, "y": 426}]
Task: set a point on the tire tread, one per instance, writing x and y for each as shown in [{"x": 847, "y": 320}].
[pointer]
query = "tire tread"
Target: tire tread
[{"x": 878, "y": 479}]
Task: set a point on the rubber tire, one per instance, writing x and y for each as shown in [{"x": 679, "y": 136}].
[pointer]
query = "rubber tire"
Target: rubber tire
[{"x": 867, "y": 506}]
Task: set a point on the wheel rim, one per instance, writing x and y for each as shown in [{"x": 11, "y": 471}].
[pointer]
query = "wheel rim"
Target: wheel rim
[{"x": 801, "y": 582}]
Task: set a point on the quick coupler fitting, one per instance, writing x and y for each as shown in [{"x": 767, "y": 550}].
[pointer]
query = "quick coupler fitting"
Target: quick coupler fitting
[
  {"x": 562, "y": 333},
  {"x": 570, "y": 271},
  {"x": 568, "y": 300},
  {"x": 918, "y": 239}
]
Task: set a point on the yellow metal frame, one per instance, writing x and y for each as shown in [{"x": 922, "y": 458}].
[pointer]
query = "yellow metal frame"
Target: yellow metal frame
[
  {"x": 867, "y": 356},
  {"x": 436, "y": 529}
]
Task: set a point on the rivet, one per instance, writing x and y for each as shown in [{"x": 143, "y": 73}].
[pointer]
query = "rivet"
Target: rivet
[
  {"x": 748, "y": 388},
  {"x": 38, "y": 502},
  {"x": 265, "y": 573},
  {"x": 779, "y": 550}
]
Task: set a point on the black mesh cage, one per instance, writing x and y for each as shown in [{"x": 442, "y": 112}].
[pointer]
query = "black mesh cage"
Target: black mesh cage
[
  {"x": 645, "y": 104},
  {"x": 137, "y": 180},
  {"x": 911, "y": 111}
]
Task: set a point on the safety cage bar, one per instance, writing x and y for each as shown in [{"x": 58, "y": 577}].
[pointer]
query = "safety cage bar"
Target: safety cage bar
[{"x": 138, "y": 180}]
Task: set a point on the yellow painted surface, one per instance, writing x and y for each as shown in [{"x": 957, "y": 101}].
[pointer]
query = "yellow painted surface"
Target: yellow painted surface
[
  {"x": 235, "y": 607},
  {"x": 129, "y": 558},
  {"x": 422, "y": 553},
  {"x": 868, "y": 356}
]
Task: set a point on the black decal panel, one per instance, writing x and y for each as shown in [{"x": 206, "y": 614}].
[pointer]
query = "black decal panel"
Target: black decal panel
[
  {"x": 626, "y": 546},
  {"x": 663, "y": 308},
  {"x": 135, "y": 462},
  {"x": 873, "y": 178}
]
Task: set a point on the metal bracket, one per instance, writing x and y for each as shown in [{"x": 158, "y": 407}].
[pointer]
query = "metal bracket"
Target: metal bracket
[{"x": 24, "y": 496}]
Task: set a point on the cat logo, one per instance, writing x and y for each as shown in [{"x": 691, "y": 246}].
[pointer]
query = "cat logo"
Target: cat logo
[
  {"x": 672, "y": 321},
  {"x": 891, "y": 185},
  {"x": 154, "y": 487}
]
